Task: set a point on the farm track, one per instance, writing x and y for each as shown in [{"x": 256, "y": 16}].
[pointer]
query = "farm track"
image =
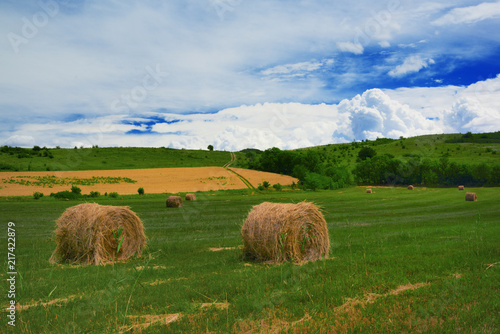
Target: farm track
[{"x": 244, "y": 180}]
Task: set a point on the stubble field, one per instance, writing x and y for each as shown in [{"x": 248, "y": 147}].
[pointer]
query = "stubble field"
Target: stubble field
[{"x": 400, "y": 261}]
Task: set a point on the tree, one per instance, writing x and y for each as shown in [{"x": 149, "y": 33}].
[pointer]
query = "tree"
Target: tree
[
  {"x": 210, "y": 147},
  {"x": 366, "y": 152}
]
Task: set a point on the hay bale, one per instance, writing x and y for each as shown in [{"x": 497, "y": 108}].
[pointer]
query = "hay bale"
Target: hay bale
[
  {"x": 84, "y": 234},
  {"x": 174, "y": 202},
  {"x": 472, "y": 197},
  {"x": 410, "y": 187},
  {"x": 461, "y": 187},
  {"x": 190, "y": 197},
  {"x": 368, "y": 191},
  {"x": 277, "y": 232}
]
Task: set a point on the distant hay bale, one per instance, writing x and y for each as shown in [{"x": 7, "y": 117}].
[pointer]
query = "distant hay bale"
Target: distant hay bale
[
  {"x": 410, "y": 187},
  {"x": 84, "y": 234},
  {"x": 190, "y": 197},
  {"x": 368, "y": 191},
  {"x": 277, "y": 232},
  {"x": 461, "y": 187},
  {"x": 174, "y": 202},
  {"x": 472, "y": 197}
]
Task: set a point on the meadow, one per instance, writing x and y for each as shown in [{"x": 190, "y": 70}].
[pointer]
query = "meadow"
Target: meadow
[{"x": 400, "y": 261}]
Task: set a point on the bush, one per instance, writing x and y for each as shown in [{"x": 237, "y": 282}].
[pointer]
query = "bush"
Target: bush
[
  {"x": 261, "y": 188},
  {"x": 277, "y": 186},
  {"x": 37, "y": 195},
  {"x": 66, "y": 195},
  {"x": 95, "y": 194},
  {"x": 113, "y": 194},
  {"x": 266, "y": 184},
  {"x": 76, "y": 190},
  {"x": 140, "y": 191}
]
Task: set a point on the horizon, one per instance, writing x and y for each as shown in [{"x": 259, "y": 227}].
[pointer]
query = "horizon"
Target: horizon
[{"x": 237, "y": 74}]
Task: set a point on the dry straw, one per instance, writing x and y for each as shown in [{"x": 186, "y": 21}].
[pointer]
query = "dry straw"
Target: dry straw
[
  {"x": 368, "y": 191},
  {"x": 461, "y": 187},
  {"x": 174, "y": 202},
  {"x": 472, "y": 197},
  {"x": 278, "y": 232},
  {"x": 410, "y": 187},
  {"x": 190, "y": 197},
  {"x": 84, "y": 234}
]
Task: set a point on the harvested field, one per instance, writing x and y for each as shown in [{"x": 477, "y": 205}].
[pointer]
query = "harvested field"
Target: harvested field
[
  {"x": 153, "y": 180},
  {"x": 256, "y": 177}
]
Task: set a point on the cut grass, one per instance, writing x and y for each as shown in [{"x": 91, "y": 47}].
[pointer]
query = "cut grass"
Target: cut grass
[{"x": 400, "y": 261}]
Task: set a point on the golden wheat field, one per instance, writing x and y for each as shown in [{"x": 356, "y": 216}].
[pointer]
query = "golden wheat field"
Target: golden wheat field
[{"x": 154, "y": 180}]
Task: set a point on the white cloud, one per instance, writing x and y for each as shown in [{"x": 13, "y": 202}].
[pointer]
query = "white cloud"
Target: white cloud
[
  {"x": 355, "y": 48},
  {"x": 375, "y": 113},
  {"x": 384, "y": 44},
  {"x": 411, "y": 64},
  {"x": 20, "y": 140},
  {"x": 472, "y": 14}
]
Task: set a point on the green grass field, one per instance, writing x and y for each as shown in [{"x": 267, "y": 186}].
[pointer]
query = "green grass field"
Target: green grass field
[
  {"x": 109, "y": 158},
  {"x": 400, "y": 261}
]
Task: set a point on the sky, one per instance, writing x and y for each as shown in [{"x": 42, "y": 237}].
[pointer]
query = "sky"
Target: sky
[{"x": 240, "y": 74}]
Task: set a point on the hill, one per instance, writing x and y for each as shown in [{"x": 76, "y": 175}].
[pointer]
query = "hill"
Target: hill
[
  {"x": 466, "y": 148},
  {"x": 107, "y": 158}
]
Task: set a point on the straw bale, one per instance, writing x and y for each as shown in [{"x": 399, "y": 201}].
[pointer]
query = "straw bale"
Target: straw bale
[
  {"x": 278, "y": 232},
  {"x": 174, "y": 202},
  {"x": 472, "y": 197},
  {"x": 190, "y": 197},
  {"x": 461, "y": 187},
  {"x": 410, "y": 187},
  {"x": 368, "y": 191},
  {"x": 84, "y": 234}
]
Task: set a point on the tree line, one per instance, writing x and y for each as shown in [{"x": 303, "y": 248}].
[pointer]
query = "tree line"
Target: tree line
[{"x": 315, "y": 173}]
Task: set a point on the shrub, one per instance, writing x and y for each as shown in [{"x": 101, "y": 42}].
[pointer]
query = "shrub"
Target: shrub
[
  {"x": 66, "y": 195},
  {"x": 95, "y": 194},
  {"x": 113, "y": 194},
  {"x": 76, "y": 190},
  {"x": 37, "y": 195},
  {"x": 277, "y": 186},
  {"x": 140, "y": 191},
  {"x": 261, "y": 187},
  {"x": 266, "y": 184}
]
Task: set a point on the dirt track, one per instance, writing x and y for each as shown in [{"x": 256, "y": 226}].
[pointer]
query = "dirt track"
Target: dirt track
[{"x": 156, "y": 180}]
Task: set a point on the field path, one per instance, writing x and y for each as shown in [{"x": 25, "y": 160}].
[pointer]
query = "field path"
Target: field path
[
  {"x": 245, "y": 181},
  {"x": 153, "y": 180}
]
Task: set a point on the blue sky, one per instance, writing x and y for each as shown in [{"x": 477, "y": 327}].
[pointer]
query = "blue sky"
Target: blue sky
[{"x": 240, "y": 73}]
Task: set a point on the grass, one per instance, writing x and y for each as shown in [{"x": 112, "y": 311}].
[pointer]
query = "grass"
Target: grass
[
  {"x": 110, "y": 158},
  {"x": 400, "y": 261}
]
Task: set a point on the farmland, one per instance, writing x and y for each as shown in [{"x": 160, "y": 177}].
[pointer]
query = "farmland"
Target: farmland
[{"x": 400, "y": 261}]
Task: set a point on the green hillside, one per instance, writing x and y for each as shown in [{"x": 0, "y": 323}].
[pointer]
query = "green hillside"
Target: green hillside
[
  {"x": 466, "y": 148},
  {"x": 97, "y": 158}
]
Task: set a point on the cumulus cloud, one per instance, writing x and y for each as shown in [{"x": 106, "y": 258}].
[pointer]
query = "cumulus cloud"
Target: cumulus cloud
[
  {"x": 411, "y": 64},
  {"x": 374, "y": 114},
  {"x": 472, "y": 14}
]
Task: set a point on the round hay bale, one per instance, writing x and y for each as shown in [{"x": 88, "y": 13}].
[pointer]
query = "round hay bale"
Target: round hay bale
[
  {"x": 174, "y": 202},
  {"x": 461, "y": 187},
  {"x": 190, "y": 197},
  {"x": 277, "y": 232},
  {"x": 368, "y": 191},
  {"x": 410, "y": 187},
  {"x": 472, "y": 197},
  {"x": 84, "y": 234}
]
